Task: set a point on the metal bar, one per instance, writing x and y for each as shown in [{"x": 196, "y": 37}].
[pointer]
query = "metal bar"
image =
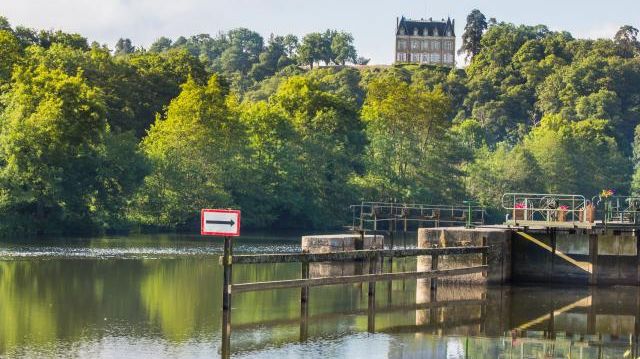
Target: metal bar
[
  {"x": 351, "y": 255},
  {"x": 316, "y": 282}
]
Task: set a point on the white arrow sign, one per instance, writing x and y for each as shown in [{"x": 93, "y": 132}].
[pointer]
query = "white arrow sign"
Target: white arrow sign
[{"x": 220, "y": 222}]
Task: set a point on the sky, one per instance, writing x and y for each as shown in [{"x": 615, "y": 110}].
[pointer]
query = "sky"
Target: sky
[{"x": 372, "y": 22}]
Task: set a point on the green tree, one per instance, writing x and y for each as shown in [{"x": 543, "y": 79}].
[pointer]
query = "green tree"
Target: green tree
[
  {"x": 627, "y": 40},
  {"x": 410, "y": 156},
  {"x": 472, "y": 36},
  {"x": 124, "y": 47},
  {"x": 51, "y": 129},
  {"x": 329, "y": 143},
  {"x": 194, "y": 151},
  {"x": 342, "y": 48},
  {"x": 162, "y": 44},
  {"x": 10, "y": 54},
  {"x": 504, "y": 170},
  {"x": 312, "y": 49},
  {"x": 5, "y": 25}
]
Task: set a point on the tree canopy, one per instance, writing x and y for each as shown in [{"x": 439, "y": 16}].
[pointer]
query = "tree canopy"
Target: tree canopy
[{"x": 97, "y": 139}]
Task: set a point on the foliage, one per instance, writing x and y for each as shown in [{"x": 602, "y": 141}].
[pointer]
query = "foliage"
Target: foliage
[
  {"x": 476, "y": 25},
  {"x": 193, "y": 149},
  {"x": 96, "y": 140},
  {"x": 59, "y": 165}
]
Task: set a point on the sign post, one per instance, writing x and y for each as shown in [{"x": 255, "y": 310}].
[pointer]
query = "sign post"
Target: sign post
[{"x": 223, "y": 223}]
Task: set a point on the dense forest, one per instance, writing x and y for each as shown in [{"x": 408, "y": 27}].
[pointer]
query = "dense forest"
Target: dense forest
[{"x": 292, "y": 131}]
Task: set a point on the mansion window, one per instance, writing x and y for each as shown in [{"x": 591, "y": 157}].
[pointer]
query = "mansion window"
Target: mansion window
[
  {"x": 415, "y": 57},
  {"x": 401, "y": 57},
  {"x": 435, "y": 45},
  {"x": 448, "y": 45},
  {"x": 448, "y": 58},
  {"x": 402, "y": 45},
  {"x": 415, "y": 45},
  {"x": 435, "y": 57},
  {"x": 425, "y": 58}
]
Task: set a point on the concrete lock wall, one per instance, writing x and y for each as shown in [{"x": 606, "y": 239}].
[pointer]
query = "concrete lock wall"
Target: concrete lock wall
[
  {"x": 498, "y": 257},
  {"x": 602, "y": 258}
]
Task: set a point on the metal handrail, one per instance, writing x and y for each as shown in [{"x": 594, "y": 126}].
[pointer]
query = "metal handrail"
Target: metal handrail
[
  {"x": 619, "y": 209},
  {"x": 546, "y": 207},
  {"x": 367, "y": 213}
]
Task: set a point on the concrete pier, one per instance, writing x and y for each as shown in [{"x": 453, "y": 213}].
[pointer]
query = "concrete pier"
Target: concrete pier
[
  {"x": 498, "y": 257},
  {"x": 339, "y": 243}
]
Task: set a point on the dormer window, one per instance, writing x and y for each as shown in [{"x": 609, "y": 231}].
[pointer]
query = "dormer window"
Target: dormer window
[
  {"x": 448, "y": 32},
  {"x": 435, "y": 32},
  {"x": 402, "y": 31},
  {"x": 415, "y": 31}
]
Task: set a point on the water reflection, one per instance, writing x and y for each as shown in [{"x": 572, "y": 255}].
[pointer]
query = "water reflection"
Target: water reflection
[{"x": 61, "y": 306}]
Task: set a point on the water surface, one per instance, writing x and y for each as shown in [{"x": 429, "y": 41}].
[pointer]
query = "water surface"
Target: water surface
[{"x": 160, "y": 297}]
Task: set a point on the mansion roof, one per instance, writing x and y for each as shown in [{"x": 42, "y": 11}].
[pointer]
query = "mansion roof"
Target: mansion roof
[{"x": 425, "y": 27}]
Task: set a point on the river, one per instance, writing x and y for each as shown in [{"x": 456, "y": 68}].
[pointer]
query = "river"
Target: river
[{"x": 159, "y": 296}]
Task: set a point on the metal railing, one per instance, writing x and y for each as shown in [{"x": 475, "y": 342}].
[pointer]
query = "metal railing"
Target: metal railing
[
  {"x": 374, "y": 216},
  {"x": 547, "y": 208},
  {"x": 618, "y": 209}
]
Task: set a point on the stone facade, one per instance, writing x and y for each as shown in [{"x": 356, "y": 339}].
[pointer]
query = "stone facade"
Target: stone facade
[{"x": 426, "y": 42}]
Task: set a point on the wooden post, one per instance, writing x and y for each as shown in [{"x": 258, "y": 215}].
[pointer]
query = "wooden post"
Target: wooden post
[
  {"x": 404, "y": 233},
  {"x": 484, "y": 257},
  {"x": 434, "y": 266},
  {"x": 226, "y": 293},
  {"x": 359, "y": 242},
  {"x": 226, "y": 298},
  {"x": 371, "y": 312},
  {"x": 433, "y": 295},
  {"x": 304, "y": 304},
  {"x": 225, "y": 351},
  {"x": 392, "y": 233},
  {"x": 372, "y": 270}
]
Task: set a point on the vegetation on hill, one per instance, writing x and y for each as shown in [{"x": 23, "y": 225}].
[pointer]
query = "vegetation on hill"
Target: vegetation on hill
[{"x": 96, "y": 140}]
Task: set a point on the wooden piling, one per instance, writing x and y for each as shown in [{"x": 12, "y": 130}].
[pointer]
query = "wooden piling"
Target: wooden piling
[
  {"x": 304, "y": 304},
  {"x": 304, "y": 291},
  {"x": 226, "y": 289},
  {"x": 225, "y": 351},
  {"x": 434, "y": 267},
  {"x": 372, "y": 270},
  {"x": 226, "y": 298},
  {"x": 371, "y": 314},
  {"x": 484, "y": 256}
]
